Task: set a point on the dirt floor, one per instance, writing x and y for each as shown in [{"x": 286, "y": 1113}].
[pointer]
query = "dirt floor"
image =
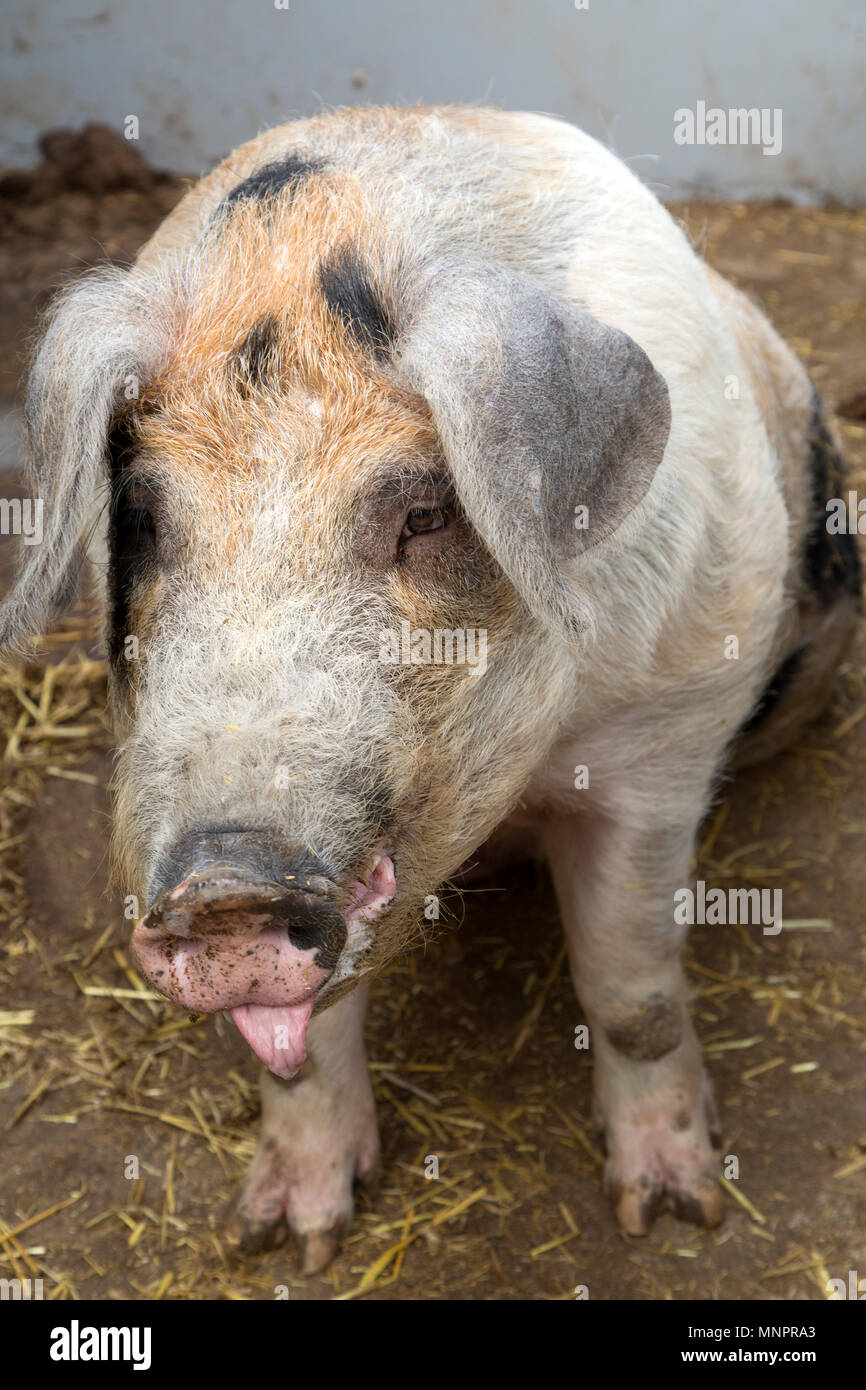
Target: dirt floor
[{"x": 471, "y": 1042}]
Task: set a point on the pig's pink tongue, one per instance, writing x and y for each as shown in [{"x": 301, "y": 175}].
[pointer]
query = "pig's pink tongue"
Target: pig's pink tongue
[{"x": 276, "y": 1033}]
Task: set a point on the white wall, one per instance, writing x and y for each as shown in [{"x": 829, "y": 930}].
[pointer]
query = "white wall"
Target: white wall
[{"x": 202, "y": 75}]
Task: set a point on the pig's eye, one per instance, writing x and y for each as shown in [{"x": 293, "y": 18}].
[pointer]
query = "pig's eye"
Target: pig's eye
[{"x": 423, "y": 519}]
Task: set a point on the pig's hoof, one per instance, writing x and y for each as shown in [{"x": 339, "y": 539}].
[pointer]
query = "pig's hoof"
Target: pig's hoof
[
  {"x": 316, "y": 1249},
  {"x": 638, "y": 1202},
  {"x": 301, "y": 1195},
  {"x": 266, "y": 1227},
  {"x": 259, "y": 1220},
  {"x": 663, "y": 1166},
  {"x": 254, "y": 1235}
]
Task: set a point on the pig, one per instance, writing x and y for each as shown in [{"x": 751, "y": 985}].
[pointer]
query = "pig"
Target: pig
[{"x": 390, "y": 386}]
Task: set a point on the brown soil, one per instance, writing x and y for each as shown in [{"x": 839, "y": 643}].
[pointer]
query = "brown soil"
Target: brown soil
[{"x": 472, "y": 1041}]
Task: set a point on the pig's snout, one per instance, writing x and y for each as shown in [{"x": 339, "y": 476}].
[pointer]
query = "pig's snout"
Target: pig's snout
[
  {"x": 247, "y": 921},
  {"x": 222, "y": 900},
  {"x": 255, "y": 931}
]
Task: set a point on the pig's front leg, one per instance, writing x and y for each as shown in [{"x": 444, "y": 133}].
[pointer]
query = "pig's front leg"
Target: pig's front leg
[
  {"x": 616, "y": 887},
  {"x": 318, "y": 1136}
]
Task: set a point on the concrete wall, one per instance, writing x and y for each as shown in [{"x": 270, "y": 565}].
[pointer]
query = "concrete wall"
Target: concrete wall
[{"x": 202, "y": 75}]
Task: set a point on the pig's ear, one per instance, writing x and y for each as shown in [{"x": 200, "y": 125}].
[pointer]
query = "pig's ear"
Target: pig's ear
[
  {"x": 542, "y": 411},
  {"x": 86, "y": 361}
]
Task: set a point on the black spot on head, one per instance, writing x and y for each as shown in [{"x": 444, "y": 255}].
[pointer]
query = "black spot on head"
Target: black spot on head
[
  {"x": 256, "y": 361},
  {"x": 831, "y": 563},
  {"x": 131, "y": 536},
  {"x": 281, "y": 175},
  {"x": 347, "y": 288}
]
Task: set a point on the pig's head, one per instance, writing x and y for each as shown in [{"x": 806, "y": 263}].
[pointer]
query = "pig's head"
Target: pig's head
[{"x": 330, "y": 491}]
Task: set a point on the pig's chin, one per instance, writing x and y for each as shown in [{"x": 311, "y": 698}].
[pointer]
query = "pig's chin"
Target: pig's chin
[{"x": 277, "y": 1032}]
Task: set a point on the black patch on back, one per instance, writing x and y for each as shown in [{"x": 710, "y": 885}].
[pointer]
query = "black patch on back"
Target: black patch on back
[
  {"x": 346, "y": 285},
  {"x": 131, "y": 547},
  {"x": 271, "y": 179},
  {"x": 830, "y": 562},
  {"x": 780, "y": 682},
  {"x": 255, "y": 362}
]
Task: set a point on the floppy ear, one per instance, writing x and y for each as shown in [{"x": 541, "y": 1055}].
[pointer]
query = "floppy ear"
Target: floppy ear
[
  {"x": 541, "y": 409},
  {"x": 89, "y": 351}
]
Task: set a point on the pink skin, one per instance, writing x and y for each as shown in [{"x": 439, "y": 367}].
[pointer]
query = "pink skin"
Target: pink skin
[
  {"x": 278, "y": 1036},
  {"x": 371, "y": 896},
  {"x": 253, "y": 971}
]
